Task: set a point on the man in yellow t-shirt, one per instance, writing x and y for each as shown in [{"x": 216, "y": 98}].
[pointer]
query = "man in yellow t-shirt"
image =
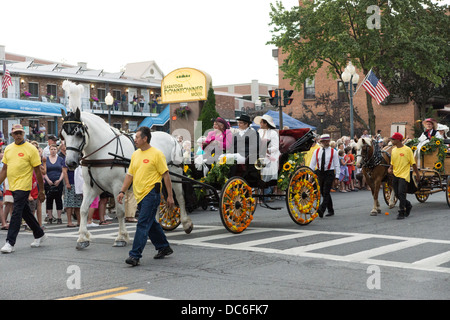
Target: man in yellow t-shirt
[
  {"x": 20, "y": 160},
  {"x": 402, "y": 159},
  {"x": 147, "y": 168}
]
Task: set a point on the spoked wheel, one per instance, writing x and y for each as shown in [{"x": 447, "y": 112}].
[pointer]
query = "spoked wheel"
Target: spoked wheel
[
  {"x": 422, "y": 196},
  {"x": 387, "y": 192},
  {"x": 303, "y": 196},
  {"x": 236, "y": 205},
  {"x": 168, "y": 219},
  {"x": 447, "y": 191}
]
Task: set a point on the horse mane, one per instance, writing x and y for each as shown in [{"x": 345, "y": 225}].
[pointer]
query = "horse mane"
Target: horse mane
[{"x": 363, "y": 140}]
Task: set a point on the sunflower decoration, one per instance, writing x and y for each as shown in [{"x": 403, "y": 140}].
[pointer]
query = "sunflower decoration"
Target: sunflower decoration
[
  {"x": 294, "y": 161},
  {"x": 218, "y": 173},
  {"x": 429, "y": 148}
]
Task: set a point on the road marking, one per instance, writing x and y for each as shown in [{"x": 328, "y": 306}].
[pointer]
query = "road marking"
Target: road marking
[
  {"x": 139, "y": 296},
  {"x": 115, "y": 295},
  {"x": 262, "y": 244},
  {"x": 91, "y": 294}
]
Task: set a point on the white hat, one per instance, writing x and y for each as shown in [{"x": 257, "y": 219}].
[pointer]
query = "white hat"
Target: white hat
[
  {"x": 442, "y": 127},
  {"x": 325, "y": 137},
  {"x": 267, "y": 118}
]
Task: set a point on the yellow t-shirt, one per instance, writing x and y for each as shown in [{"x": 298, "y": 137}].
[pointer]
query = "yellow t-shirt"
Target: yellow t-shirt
[
  {"x": 402, "y": 159},
  {"x": 147, "y": 168},
  {"x": 21, "y": 159},
  {"x": 309, "y": 154}
]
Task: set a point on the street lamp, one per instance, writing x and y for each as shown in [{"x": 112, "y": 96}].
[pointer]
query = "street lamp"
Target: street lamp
[
  {"x": 109, "y": 100},
  {"x": 350, "y": 76}
]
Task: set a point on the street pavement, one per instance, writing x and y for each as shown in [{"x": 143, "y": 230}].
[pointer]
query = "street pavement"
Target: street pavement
[{"x": 351, "y": 255}]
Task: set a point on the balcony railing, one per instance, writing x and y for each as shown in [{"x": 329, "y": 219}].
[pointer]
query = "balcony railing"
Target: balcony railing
[{"x": 120, "y": 109}]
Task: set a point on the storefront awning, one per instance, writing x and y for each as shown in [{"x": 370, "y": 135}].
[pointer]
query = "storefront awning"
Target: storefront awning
[{"x": 31, "y": 107}]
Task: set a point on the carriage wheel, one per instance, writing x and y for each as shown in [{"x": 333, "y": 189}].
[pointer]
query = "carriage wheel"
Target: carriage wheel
[
  {"x": 236, "y": 205},
  {"x": 303, "y": 196},
  {"x": 447, "y": 191},
  {"x": 387, "y": 191},
  {"x": 422, "y": 196},
  {"x": 168, "y": 219}
]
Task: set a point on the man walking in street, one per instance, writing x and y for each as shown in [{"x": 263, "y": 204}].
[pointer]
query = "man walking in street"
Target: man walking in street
[
  {"x": 21, "y": 158},
  {"x": 147, "y": 168},
  {"x": 402, "y": 158},
  {"x": 328, "y": 169}
]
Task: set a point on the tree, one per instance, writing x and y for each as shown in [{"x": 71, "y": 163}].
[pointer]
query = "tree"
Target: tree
[
  {"x": 333, "y": 32},
  {"x": 209, "y": 113}
]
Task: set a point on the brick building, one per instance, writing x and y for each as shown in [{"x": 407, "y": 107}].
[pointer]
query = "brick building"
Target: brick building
[{"x": 41, "y": 80}]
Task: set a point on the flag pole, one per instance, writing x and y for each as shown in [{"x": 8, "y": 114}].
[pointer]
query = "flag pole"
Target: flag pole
[{"x": 363, "y": 81}]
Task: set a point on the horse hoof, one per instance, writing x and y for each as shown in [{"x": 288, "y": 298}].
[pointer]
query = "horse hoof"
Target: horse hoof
[
  {"x": 189, "y": 230},
  {"x": 120, "y": 244},
  {"x": 82, "y": 245}
]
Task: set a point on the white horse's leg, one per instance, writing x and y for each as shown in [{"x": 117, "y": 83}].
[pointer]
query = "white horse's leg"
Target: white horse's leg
[
  {"x": 122, "y": 238},
  {"x": 185, "y": 219},
  {"x": 84, "y": 237},
  {"x": 392, "y": 199}
]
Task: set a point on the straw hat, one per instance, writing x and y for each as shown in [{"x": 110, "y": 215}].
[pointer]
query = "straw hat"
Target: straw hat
[{"x": 266, "y": 118}]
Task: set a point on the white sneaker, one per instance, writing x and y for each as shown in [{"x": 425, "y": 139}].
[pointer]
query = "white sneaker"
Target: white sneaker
[
  {"x": 37, "y": 242},
  {"x": 92, "y": 224},
  {"x": 7, "y": 248}
]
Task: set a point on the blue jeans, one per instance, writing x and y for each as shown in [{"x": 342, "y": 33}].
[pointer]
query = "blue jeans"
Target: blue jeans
[{"x": 147, "y": 226}]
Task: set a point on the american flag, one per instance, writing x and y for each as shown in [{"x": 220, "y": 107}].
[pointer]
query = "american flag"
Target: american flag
[
  {"x": 6, "y": 80},
  {"x": 374, "y": 87}
]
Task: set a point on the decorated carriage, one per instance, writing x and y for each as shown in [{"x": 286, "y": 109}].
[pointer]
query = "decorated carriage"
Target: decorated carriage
[
  {"x": 433, "y": 162},
  {"x": 238, "y": 188}
]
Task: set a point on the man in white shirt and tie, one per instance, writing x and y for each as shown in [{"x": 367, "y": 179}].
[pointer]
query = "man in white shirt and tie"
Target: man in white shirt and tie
[{"x": 325, "y": 163}]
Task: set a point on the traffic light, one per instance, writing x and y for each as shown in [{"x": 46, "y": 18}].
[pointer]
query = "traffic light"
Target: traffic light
[
  {"x": 273, "y": 97},
  {"x": 287, "y": 100}
]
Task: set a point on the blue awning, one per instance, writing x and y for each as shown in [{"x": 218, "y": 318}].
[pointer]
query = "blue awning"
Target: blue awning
[
  {"x": 31, "y": 107},
  {"x": 160, "y": 120},
  {"x": 292, "y": 123}
]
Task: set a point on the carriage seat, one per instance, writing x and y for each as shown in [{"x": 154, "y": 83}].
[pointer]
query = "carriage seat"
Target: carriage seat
[{"x": 291, "y": 139}]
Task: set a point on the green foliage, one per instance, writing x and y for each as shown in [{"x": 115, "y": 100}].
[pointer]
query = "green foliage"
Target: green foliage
[
  {"x": 209, "y": 113},
  {"x": 413, "y": 36}
]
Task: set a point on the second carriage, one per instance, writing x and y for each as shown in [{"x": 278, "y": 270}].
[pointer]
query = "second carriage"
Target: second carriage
[{"x": 237, "y": 195}]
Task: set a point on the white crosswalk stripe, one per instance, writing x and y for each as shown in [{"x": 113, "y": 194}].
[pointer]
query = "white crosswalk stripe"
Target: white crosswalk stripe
[{"x": 302, "y": 243}]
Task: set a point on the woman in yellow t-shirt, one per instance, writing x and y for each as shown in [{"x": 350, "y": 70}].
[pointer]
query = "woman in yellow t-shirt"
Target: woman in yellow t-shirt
[{"x": 402, "y": 159}]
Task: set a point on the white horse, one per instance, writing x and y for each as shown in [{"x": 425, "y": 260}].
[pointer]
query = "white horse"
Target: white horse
[{"x": 90, "y": 139}]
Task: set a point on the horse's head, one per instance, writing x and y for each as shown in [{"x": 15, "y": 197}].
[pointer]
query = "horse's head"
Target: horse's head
[
  {"x": 75, "y": 135},
  {"x": 364, "y": 150}
]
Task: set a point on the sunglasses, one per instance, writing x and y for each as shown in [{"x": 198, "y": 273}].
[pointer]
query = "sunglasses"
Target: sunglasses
[{"x": 17, "y": 132}]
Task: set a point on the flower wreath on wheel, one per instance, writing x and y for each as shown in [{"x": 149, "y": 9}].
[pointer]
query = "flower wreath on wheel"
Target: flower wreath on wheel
[{"x": 294, "y": 161}]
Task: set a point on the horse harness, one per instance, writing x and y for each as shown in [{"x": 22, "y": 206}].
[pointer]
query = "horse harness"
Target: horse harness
[
  {"x": 375, "y": 160},
  {"x": 117, "y": 161}
]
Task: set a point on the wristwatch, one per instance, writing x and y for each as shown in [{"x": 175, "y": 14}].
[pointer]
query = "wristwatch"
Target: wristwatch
[{"x": 121, "y": 192}]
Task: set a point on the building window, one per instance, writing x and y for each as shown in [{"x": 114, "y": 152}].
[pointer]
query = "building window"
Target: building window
[
  {"x": 51, "y": 127},
  {"x": 101, "y": 95},
  {"x": 51, "y": 90},
  {"x": 342, "y": 95},
  {"x": 116, "y": 94},
  {"x": 33, "y": 88},
  {"x": 310, "y": 89}
]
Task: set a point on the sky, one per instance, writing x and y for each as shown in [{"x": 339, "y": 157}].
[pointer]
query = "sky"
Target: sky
[{"x": 226, "y": 39}]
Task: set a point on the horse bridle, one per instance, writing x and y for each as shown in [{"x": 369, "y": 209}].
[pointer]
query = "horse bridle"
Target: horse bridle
[
  {"x": 80, "y": 126},
  {"x": 375, "y": 159}
]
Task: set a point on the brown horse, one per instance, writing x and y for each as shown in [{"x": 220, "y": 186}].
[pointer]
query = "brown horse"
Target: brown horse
[{"x": 375, "y": 164}]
